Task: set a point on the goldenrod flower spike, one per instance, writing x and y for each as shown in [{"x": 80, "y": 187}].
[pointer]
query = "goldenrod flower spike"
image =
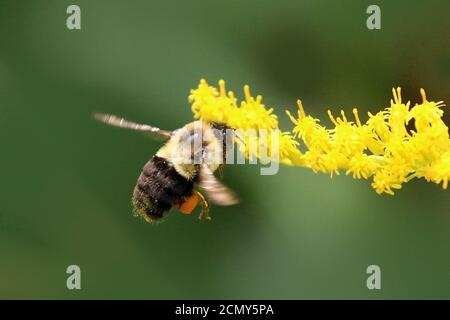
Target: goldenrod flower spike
[{"x": 382, "y": 148}]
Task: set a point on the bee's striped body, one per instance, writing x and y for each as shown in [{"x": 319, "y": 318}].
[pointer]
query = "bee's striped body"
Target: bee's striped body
[{"x": 159, "y": 188}]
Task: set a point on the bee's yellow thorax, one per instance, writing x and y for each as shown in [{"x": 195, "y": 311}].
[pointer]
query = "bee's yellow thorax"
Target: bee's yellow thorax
[{"x": 194, "y": 138}]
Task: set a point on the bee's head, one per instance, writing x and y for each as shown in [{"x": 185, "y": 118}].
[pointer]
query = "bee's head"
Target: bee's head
[
  {"x": 220, "y": 126},
  {"x": 225, "y": 134}
]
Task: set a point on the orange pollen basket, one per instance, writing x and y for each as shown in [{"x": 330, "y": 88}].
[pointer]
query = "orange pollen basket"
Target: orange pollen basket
[{"x": 189, "y": 205}]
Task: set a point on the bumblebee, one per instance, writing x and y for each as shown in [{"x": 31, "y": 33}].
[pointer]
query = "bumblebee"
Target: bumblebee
[{"x": 188, "y": 159}]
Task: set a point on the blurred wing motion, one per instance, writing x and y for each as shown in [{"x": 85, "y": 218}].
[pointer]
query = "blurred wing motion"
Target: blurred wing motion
[
  {"x": 123, "y": 123},
  {"x": 214, "y": 189}
]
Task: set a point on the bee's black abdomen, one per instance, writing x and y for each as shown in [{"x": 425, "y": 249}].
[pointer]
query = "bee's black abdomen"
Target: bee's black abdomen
[{"x": 158, "y": 188}]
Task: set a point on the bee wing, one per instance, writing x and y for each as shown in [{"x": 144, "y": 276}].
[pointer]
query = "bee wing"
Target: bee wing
[
  {"x": 123, "y": 123},
  {"x": 215, "y": 190}
]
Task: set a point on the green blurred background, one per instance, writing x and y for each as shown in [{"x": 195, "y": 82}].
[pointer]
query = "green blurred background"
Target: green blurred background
[{"x": 66, "y": 180}]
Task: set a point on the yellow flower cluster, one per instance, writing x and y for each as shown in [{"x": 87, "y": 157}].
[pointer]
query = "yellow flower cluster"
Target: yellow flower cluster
[
  {"x": 214, "y": 105},
  {"x": 391, "y": 147}
]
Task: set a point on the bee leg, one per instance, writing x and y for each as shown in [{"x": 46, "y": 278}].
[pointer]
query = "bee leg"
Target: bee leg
[
  {"x": 204, "y": 213},
  {"x": 220, "y": 171},
  {"x": 147, "y": 219}
]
